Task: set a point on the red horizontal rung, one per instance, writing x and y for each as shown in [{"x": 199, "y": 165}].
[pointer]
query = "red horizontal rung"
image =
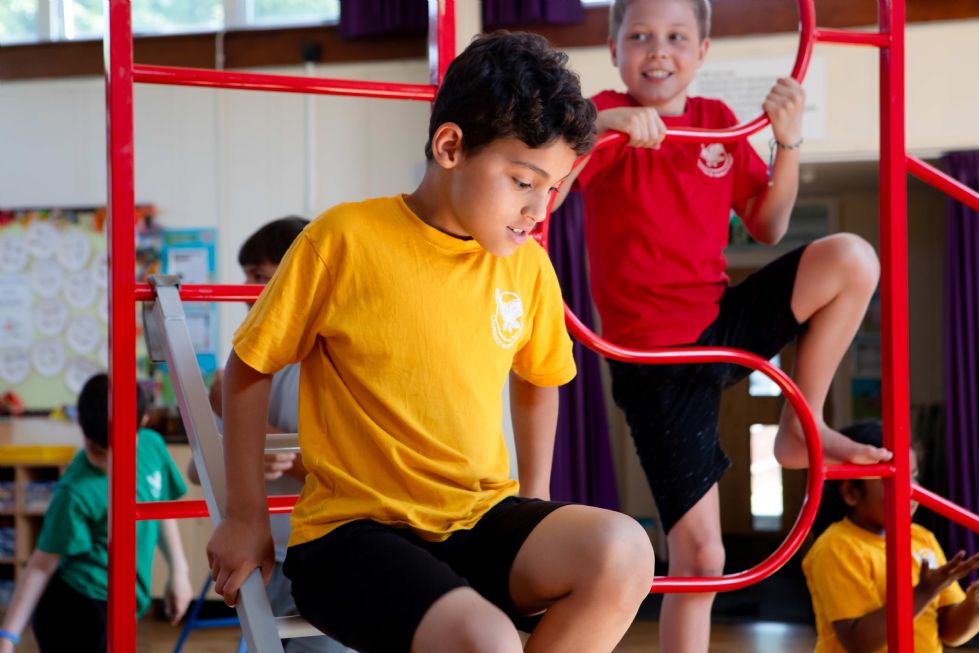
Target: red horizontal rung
[
  {"x": 206, "y": 292},
  {"x": 841, "y": 472},
  {"x": 188, "y": 509},
  {"x": 941, "y": 181},
  {"x": 281, "y": 83},
  {"x": 846, "y": 37},
  {"x": 945, "y": 508}
]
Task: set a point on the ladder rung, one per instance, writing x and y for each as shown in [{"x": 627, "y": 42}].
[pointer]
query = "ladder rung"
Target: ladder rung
[{"x": 291, "y": 627}]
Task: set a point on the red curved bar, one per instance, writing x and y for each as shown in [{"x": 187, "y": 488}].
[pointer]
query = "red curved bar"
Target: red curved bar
[
  {"x": 807, "y": 37},
  {"x": 198, "y": 508},
  {"x": 814, "y": 482},
  {"x": 206, "y": 293},
  {"x": 945, "y": 508},
  {"x": 172, "y": 75},
  {"x": 941, "y": 181},
  {"x": 846, "y": 37}
]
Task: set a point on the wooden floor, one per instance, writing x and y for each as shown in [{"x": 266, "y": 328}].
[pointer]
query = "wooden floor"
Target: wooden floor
[{"x": 158, "y": 637}]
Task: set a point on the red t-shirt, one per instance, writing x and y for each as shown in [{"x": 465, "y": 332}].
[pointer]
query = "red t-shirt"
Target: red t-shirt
[{"x": 656, "y": 225}]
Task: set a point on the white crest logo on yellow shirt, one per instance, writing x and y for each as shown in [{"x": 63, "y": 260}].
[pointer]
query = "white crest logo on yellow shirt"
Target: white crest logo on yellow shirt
[
  {"x": 507, "y": 320},
  {"x": 714, "y": 160},
  {"x": 926, "y": 554}
]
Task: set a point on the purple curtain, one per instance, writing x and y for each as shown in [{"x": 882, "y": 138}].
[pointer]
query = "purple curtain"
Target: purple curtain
[
  {"x": 962, "y": 348},
  {"x": 583, "y": 471},
  {"x": 508, "y": 13},
  {"x": 364, "y": 18}
]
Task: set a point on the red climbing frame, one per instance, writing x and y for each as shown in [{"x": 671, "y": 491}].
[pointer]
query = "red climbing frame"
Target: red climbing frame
[{"x": 121, "y": 73}]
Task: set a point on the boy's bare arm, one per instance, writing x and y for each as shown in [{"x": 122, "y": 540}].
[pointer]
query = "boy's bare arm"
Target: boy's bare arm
[
  {"x": 31, "y": 585},
  {"x": 179, "y": 592},
  {"x": 767, "y": 215},
  {"x": 243, "y": 541},
  {"x": 533, "y": 410},
  {"x": 642, "y": 125}
]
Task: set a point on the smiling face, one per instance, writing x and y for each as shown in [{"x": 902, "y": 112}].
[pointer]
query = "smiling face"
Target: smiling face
[
  {"x": 497, "y": 194},
  {"x": 658, "y": 50}
]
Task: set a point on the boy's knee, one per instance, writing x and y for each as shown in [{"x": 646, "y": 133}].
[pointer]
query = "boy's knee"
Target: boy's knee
[
  {"x": 625, "y": 554},
  {"x": 464, "y": 621},
  {"x": 857, "y": 257},
  {"x": 701, "y": 558}
]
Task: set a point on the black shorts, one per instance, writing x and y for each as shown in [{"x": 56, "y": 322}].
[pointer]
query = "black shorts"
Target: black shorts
[
  {"x": 368, "y": 585},
  {"x": 673, "y": 410},
  {"x": 65, "y": 620}
]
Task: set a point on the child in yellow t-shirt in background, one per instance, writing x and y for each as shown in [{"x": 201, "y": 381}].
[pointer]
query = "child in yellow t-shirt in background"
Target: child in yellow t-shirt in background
[{"x": 846, "y": 570}]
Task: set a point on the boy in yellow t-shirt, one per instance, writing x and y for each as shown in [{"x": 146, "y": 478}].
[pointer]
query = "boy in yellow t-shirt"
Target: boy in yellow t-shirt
[
  {"x": 846, "y": 570},
  {"x": 407, "y": 315}
]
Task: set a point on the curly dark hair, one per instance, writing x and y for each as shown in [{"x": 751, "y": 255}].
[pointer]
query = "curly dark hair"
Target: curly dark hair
[
  {"x": 513, "y": 84},
  {"x": 271, "y": 242}
]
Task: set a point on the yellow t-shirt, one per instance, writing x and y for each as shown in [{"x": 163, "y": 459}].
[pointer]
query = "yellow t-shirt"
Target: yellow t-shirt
[
  {"x": 846, "y": 570},
  {"x": 405, "y": 336}
]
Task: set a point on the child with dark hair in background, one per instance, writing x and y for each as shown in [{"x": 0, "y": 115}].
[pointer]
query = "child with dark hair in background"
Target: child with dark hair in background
[
  {"x": 846, "y": 570},
  {"x": 408, "y": 313},
  {"x": 65, "y": 582}
]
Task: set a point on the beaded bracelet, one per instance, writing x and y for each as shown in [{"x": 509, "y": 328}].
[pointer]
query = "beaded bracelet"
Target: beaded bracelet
[
  {"x": 13, "y": 637},
  {"x": 772, "y": 144}
]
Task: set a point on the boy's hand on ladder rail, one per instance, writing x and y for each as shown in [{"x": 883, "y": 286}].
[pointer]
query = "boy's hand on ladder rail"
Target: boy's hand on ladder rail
[{"x": 237, "y": 547}]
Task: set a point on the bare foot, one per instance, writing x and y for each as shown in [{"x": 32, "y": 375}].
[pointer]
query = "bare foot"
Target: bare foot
[{"x": 791, "y": 453}]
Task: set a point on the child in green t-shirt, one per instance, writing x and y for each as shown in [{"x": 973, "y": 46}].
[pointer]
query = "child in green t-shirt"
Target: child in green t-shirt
[{"x": 64, "y": 588}]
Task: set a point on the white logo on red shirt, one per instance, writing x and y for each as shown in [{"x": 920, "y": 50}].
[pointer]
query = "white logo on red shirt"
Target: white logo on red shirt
[
  {"x": 506, "y": 321},
  {"x": 715, "y": 161}
]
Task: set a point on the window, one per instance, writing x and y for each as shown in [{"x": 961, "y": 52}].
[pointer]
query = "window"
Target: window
[
  {"x": 766, "y": 479},
  {"x": 18, "y": 21},
  {"x": 294, "y": 12},
  {"x": 27, "y": 21}
]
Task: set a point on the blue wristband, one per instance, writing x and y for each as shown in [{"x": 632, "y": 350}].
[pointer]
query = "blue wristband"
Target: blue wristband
[{"x": 13, "y": 637}]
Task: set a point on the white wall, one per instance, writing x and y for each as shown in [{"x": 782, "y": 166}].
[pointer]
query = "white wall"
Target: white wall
[{"x": 228, "y": 159}]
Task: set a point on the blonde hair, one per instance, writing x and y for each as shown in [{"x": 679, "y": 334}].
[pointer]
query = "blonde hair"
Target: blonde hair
[{"x": 701, "y": 9}]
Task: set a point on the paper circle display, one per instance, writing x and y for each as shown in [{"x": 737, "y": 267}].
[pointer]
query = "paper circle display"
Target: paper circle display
[
  {"x": 80, "y": 290},
  {"x": 84, "y": 334},
  {"x": 78, "y": 372},
  {"x": 42, "y": 238},
  {"x": 100, "y": 269},
  {"x": 74, "y": 249},
  {"x": 103, "y": 307},
  {"x": 49, "y": 357},
  {"x": 46, "y": 278},
  {"x": 49, "y": 316},
  {"x": 15, "y": 365},
  {"x": 13, "y": 252},
  {"x": 104, "y": 355}
]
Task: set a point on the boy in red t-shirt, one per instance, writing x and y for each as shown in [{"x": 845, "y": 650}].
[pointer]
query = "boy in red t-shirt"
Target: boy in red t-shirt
[{"x": 656, "y": 226}]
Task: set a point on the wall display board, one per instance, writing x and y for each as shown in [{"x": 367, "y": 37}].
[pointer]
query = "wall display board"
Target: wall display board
[{"x": 53, "y": 299}]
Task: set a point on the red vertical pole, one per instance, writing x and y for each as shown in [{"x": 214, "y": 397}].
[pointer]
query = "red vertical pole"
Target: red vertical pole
[
  {"x": 118, "y": 55},
  {"x": 441, "y": 38},
  {"x": 894, "y": 336}
]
